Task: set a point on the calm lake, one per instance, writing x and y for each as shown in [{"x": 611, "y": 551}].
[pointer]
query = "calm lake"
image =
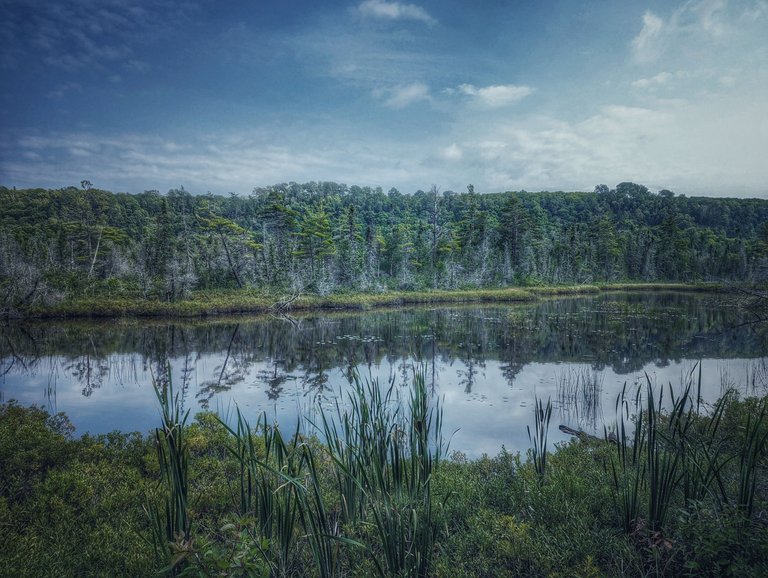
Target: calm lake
[{"x": 487, "y": 363}]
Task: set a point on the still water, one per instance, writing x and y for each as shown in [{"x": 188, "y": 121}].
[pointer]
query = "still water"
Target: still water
[{"x": 487, "y": 364}]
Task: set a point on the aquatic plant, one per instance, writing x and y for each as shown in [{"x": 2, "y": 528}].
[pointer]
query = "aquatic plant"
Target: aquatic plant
[
  {"x": 675, "y": 454},
  {"x": 542, "y": 415},
  {"x": 386, "y": 453},
  {"x": 171, "y": 525}
]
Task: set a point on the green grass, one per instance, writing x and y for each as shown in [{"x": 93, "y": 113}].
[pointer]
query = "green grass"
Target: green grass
[{"x": 228, "y": 302}]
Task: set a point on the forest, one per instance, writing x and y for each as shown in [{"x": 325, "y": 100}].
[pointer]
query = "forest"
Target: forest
[{"x": 324, "y": 238}]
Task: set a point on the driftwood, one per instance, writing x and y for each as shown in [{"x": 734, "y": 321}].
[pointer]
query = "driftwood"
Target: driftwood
[
  {"x": 283, "y": 305},
  {"x": 585, "y": 437}
]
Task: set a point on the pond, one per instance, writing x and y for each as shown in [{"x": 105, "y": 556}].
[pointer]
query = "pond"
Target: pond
[{"x": 486, "y": 363}]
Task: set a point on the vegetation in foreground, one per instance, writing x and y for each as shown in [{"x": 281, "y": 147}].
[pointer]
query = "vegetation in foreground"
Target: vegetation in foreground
[{"x": 683, "y": 491}]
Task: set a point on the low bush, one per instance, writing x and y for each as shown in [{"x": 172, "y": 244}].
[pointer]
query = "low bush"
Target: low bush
[{"x": 263, "y": 503}]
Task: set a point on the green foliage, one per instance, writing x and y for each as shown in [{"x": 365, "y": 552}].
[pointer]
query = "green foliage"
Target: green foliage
[
  {"x": 542, "y": 415},
  {"x": 376, "y": 496},
  {"x": 680, "y": 461},
  {"x": 171, "y": 524},
  {"x": 69, "y": 507},
  {"x": 67, "y": 244},
  {"x": 32, "y": 443}
]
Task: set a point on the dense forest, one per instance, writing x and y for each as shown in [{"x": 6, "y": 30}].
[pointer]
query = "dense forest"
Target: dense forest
[{"x": 327, "y": 237}]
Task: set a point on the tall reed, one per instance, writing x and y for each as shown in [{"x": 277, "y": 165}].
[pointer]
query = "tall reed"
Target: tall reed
[
  {"x": 579, "y": 396},
  {"x": 678, "y": 456},
  {"x": 538, "y": 440},
  {"x": 386, "y": 453},
  {"x": 171, "y": 526},
  {"x": 271, "y": 489},
  {"x": 625, "y": 465},
  {"x": 755, "y": 439},
  {"x": 382, "y": 453}
]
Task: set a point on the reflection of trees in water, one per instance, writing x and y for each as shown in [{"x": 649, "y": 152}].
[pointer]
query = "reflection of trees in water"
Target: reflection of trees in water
[
  {"x": 187, "y": 370},
  {"x": 274, "y": 379},
  {"x": 510, "y": 370},
  {"x": 468, "y": 376},
  {"x": 231, "y": 372},
  {"x": 476, "y": 333},
  {"x": 18, "y": 349},
  {"x": 621, "y": 331},
  {"x": 89, "y": 369},
  {"x": 405, "y": 369},
  {"x": 315, "y": 384}
]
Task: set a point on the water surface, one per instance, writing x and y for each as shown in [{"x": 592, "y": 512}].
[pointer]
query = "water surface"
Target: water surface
[{"x": 486, "y": 363}]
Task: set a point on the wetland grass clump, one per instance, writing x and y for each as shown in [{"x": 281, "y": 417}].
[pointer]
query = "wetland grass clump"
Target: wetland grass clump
[
  {"x": 387, "y": 452},
  {"x": 371, "y": 477},
  {"x": 170, "y": 523},
  {"x": 538, "y": 439},
  {"x": 656, "y": 455},
  {"x": 753, "y": 448},
  {"x": 677, "y": 458},
  {"x": 221, "y": 302}
]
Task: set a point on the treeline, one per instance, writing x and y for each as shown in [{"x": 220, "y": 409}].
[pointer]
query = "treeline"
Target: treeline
[{"x": 326, "y": 237}]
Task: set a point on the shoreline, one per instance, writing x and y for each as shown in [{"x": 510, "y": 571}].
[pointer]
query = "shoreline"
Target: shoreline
[{"x": 202, "y": 304}]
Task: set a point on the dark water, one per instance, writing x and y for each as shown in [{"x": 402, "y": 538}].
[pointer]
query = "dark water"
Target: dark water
[{"x": 487, "y": 363}]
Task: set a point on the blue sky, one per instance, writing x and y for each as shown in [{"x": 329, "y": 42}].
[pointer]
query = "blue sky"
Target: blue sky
[{"x": 226, "y": 95}]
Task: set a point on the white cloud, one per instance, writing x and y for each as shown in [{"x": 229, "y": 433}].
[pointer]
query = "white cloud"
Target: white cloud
[
  {"x": 136, "y": 162},
  {"x": 699, "y": 29},
  {"x": 452, "y": 152},
  {"x": 403, "y": 96},
  {"x": 707, "y": 146},
  {"x": 711, "y": 16},
  {"x": 710, "y": 144},
  {"x": 647, "y": 44},
  {"x": 394, "y": 11},
  {"x": 755, "y": 12},
  {"x": 658, "y": 80},
  {"x": 494, "y": 96},
  {"x": 366, "y": 58}
]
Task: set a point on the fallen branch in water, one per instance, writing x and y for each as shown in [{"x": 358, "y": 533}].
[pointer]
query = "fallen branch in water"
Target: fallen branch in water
[
  {"x": 282, "y": 306},
  {"x": 584, "y": 436}
]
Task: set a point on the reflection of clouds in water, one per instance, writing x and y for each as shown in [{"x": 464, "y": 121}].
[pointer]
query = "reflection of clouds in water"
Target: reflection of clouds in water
[
  {"x": 495, "y": 413},
  {"x": 488, "y": 364}
]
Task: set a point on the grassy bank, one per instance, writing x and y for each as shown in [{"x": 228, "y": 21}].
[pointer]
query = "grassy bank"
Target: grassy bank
[
  {"x": 213, "y": 303},
  {"x": 686, "y": 496}
]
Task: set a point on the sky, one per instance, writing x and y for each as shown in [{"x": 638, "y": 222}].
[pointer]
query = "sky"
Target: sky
[{"x": 224, "y": 95}]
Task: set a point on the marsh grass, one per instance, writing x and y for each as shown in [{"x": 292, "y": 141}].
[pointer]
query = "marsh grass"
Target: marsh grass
[
  {"x": 678, "y": 458},
  {"x": 386, "y": 452},
  {"x": 754, "y": 447},
  {"x": 652, "y": 461},
  {"x": 437, "y": 517},
  {"x": 542, "y": 416},
  {"x": 227, "y": 302},
  {"x": 579, "y": 396},
  {"x": 171, "y": 524},
  {"x": 379, "y": 452}
]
